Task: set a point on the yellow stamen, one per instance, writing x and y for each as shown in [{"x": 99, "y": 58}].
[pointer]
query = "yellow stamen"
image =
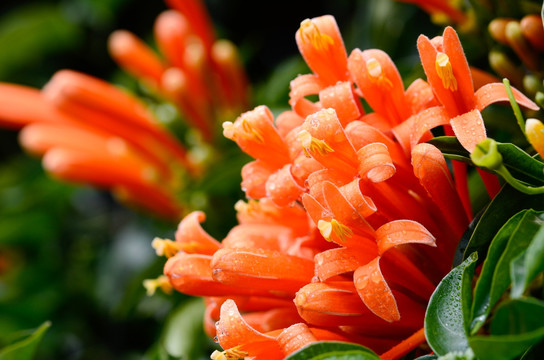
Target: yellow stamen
[
  {"x": 310, "y": 32},
  {"x": 251, "y": 132},
  {"x": 230, "y": 354},
  {"x": 166, "y": 247},
  {"x": 376, "y": 73},
  {"x": 249, "y": 207},
  {"x": 327, "y": 228},
  {"x": 445, "y": 71},
  {"x": 311, "y": 145},
  {"x": 162, "y": 282}
]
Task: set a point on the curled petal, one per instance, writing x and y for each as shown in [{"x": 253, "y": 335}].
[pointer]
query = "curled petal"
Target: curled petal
[
  {"x": 420, "y": 96},
  {"x": 337, "y": 261},
  {"x": 495, "y": 92},
  {"x": 333, "y": 304},
  {"x": 469, "y": 129},
  {"x": 193, "y": 237},
  {"x": 317, "y": 179},
  {"x": 255, "y": 174},
  {"x": 295, "y": 337},
  {"x": 374, "y": 291},
  {"x": 361, "y": 203},
  {"x": 287, "y": 121},
  {"x": 375, "y": 163},
  {"x": 304, "y": 85},
  {"x": 344, "y": 212},
  {"x": 401, "y": 232},
  {"x": 361, "y": 134},
  {"x": 282, "y": 187},
  {"x": 233, "y": 330},
  {"x": 341, "y": 97},
  {"x": 426, "y": 120},
  {"x": 262, "y": 269}
]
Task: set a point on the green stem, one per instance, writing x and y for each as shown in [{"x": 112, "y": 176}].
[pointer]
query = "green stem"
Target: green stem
[
  {"x": 514, "y": 104},
  {"x": 516, "y": 184}
]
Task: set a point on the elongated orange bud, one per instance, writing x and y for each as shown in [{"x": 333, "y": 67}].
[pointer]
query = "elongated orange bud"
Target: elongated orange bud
[
  {"x": 135, "y": 57},
  {"x": 532, "y": 29}
]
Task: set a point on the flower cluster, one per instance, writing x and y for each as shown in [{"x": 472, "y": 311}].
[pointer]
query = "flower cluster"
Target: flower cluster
[
  {"x": 92, "y": 132},
  {"x": 352, "y": 219}
]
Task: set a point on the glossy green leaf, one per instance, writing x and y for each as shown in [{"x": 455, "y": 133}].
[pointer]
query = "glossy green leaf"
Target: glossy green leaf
[
  {"x": 518, "y": 316},
  {"x": 25, "y": 349},
  {"x": 427, "y": 357},
  {"x": 333, "y": 350},
  {"x": 506, "y": 204},
  {"x": 517, "y": 325},
  {"x": 448, "y": 312},
  {"x": 504, "y": 347},
  {"x": 183, "y": 336},
  {"x": 525, "y": 267},
  {"x": 510, "y": 241}
]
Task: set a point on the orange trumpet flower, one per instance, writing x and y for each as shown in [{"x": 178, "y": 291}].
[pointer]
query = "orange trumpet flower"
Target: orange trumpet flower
[
  {"x": 91, "y": 132},
  {"x": 201, "y": 75}
]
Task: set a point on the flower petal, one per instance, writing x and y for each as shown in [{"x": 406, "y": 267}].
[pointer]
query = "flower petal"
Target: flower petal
[
  {"x": 191, "y": 234},
  {"x": 233, "y": 330},
  {"x": 495, "y": 92},
  {"x": 374, "y": 291},
  {"x": 332, "y": 262},
  {"x": 400, "y": 232},
  {"x": 321, "y": 45},
  {"x": 295, "y": 337},
  {"x": 262, "y": 269},
  {"x": 469, "y": 129},
  {"x": 341, "y": 97}
]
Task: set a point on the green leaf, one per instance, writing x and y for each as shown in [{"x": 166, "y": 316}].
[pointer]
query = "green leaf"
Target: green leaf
[
  {"x": 24, "y": 349},
  {"x": 518, "y": 316},
  {"x": 183, "y": 336},
  {"x": 427, "y": 357},
  {"x": 447, "y": 316},
  {"x": 510, "y": 241},
  {"x": 506, "y": 204},
  {"x": 525, "y": 267},
  {"x": 504, "y": 347},
  {"x": 333, "y": 350},
  {"x": 517, "y": 325}
]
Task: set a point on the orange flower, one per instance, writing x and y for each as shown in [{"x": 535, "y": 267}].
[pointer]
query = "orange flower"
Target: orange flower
[
  {"x": 90, "y": 132},
  {"x": 449, "y": 75},
  {"x": 203, "y": 76},
  {"x": 352, "y": 221}
]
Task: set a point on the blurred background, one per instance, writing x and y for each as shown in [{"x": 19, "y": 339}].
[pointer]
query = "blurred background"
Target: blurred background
[{"x": 71, "y": 254}]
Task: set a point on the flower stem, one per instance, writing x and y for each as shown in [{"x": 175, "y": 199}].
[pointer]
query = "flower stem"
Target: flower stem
[{"x": 405, "y": 346}]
